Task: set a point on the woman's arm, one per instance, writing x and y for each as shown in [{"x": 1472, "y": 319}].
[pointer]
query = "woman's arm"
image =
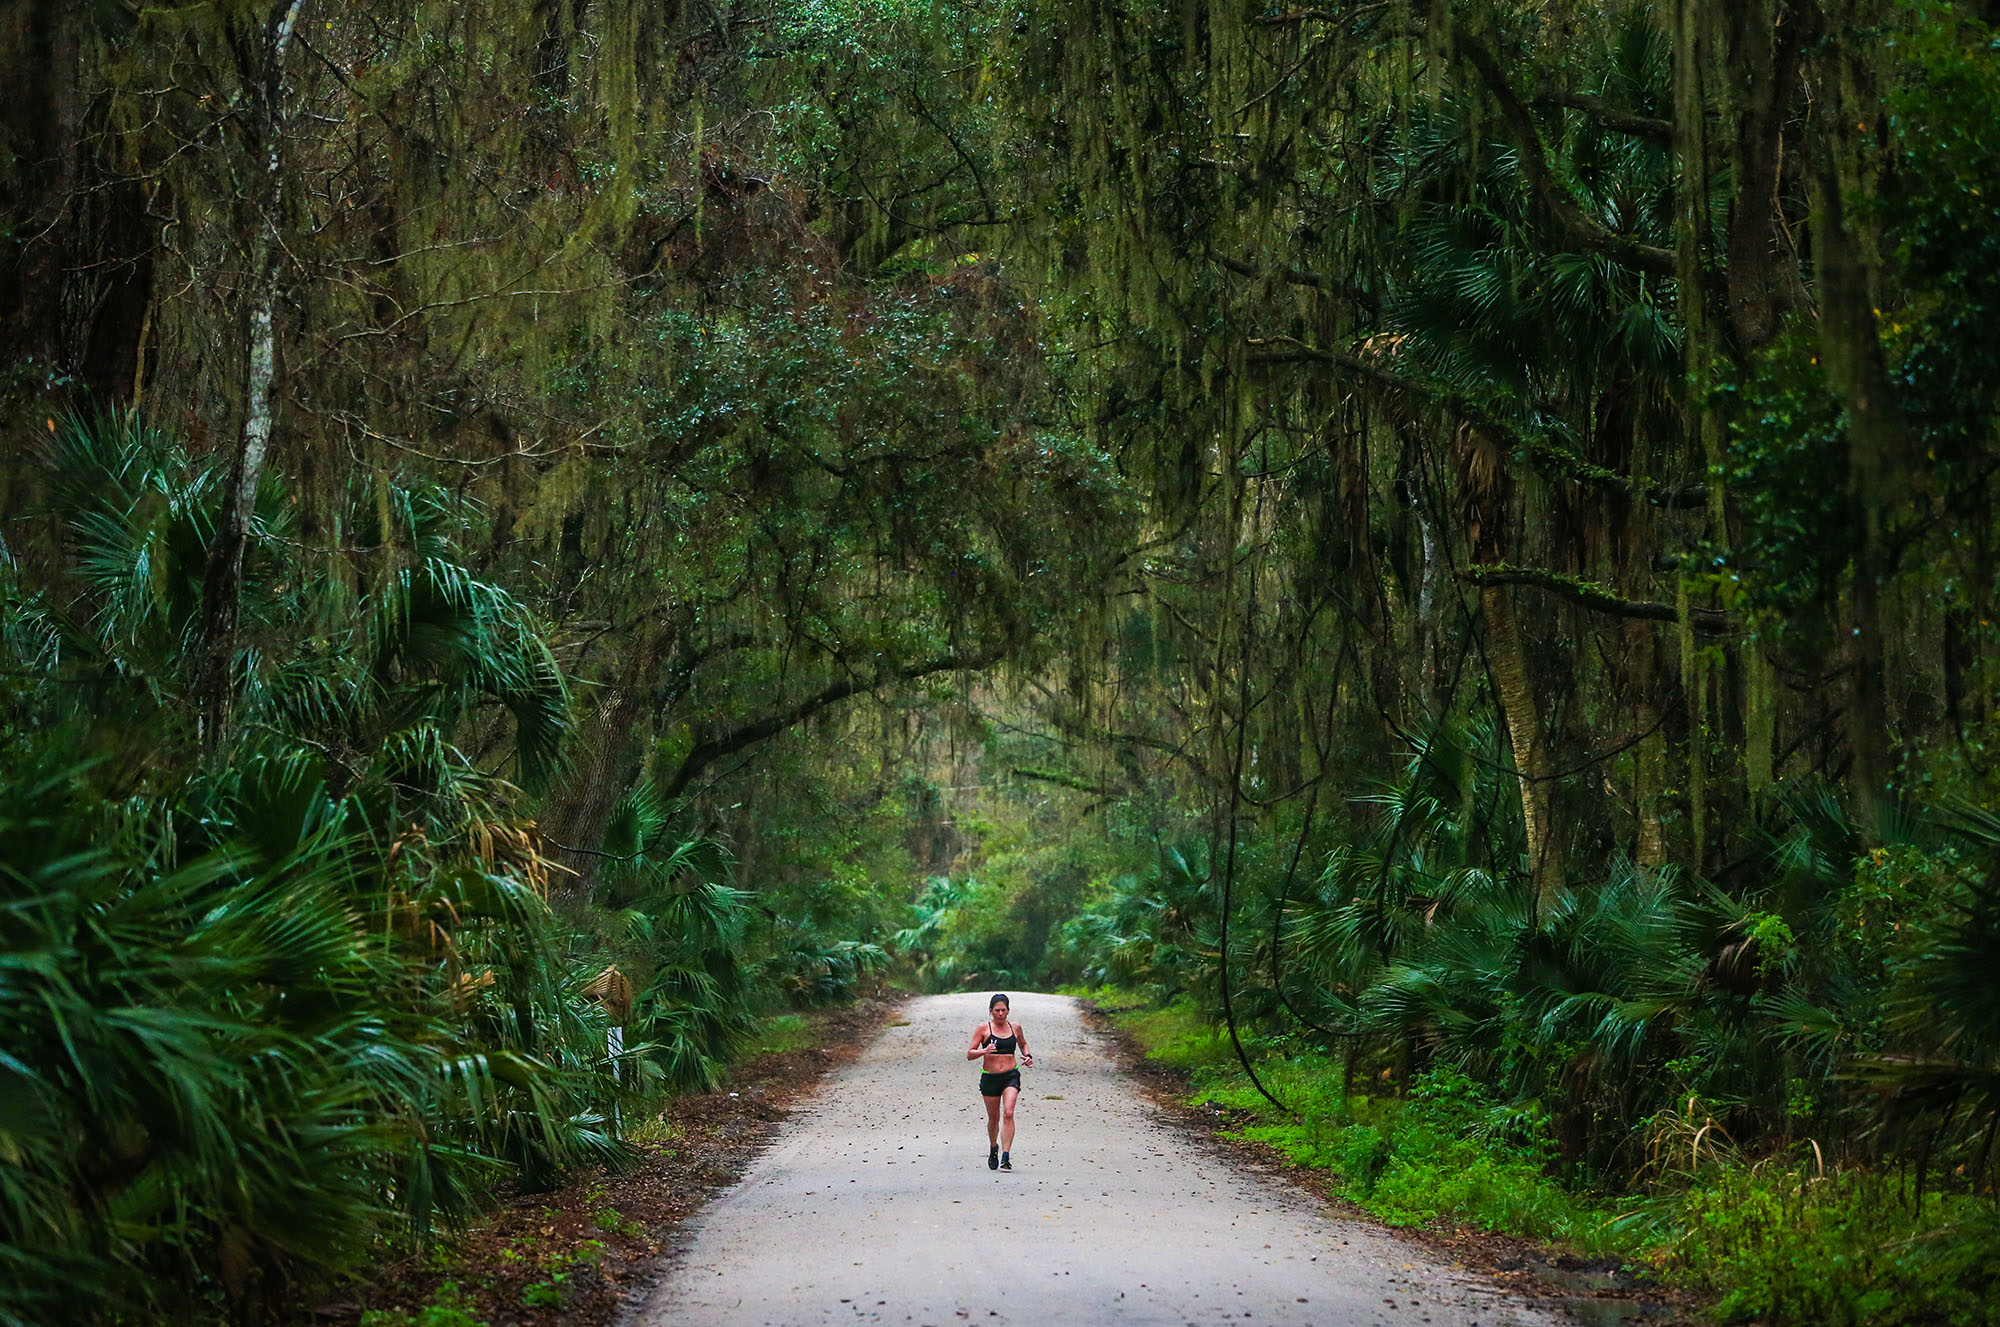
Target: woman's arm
[
  {"x": 1021, "y": 1040},
  {"x": 979, "y": 1039}
]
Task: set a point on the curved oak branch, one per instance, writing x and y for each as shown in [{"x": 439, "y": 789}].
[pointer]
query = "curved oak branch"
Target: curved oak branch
[
  {"x": 1591, "y": 595},
  {"x": 749, "y": 734}
]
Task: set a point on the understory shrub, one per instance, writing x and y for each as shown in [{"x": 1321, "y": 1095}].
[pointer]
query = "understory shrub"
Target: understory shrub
[
  {"x": 1446, "y": 1151},
  {"x": 1780, "y": 1245}
]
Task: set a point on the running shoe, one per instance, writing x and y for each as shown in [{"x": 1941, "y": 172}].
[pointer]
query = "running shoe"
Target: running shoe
[{"x": 993, "y": 1159}]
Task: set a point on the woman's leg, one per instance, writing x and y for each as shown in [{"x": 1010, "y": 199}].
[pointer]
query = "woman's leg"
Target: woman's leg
[
  {"x": 1006, "y": 1103},
  {"x": 993, "y": 1121}
]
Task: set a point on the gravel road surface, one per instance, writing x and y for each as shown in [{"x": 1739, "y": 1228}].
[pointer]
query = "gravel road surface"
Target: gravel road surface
[{"x": 875, "y": 1206}]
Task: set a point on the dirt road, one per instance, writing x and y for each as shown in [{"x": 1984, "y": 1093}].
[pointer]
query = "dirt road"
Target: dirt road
[{"x": 876, "y": 1206}]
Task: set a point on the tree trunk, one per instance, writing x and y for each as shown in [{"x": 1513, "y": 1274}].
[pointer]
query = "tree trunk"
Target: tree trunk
[
  {"x": 222, "y": 587},
  {"x": 605, "y": 764},
  {"x": 1878, "y": 448},
  {"x": 40, "y": 128},
  {"x": 1484, "y": 493},
  {"x": 1638, "y": 673},
  {"x": 1514, "y": 686},
  {"x": 1761, "y": 48}
]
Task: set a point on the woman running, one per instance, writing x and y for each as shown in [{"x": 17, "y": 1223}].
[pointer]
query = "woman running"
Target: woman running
[{"x": 999, "y": 1041}]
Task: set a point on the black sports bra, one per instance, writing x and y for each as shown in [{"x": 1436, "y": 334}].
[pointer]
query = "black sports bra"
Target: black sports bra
[{"x": 998, "y": 1045}]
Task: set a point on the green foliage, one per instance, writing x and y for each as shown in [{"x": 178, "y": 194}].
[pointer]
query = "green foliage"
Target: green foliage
[
  {"x": 370, "y": 672},
  {"x": 1609, "y": 1003},
  {"x": 1550, "y": 1049},
  {"x": 1786, "y": 1247},
  {"x": 1767, "y": 1243},
  {"x": 295, "y": 1031},
  {"x": 820, "y": 973},
  {"x": 1180, "y": 1035},
  {"x": 171, "y": 985},
  {"x": 932, "y": 915},
  {"x": 1155, "y": 930},
  {"x": 1938, "y": 1075},
  {"x": 1787, "y": 434},
  {"x": 782, "y": 1033},
  {"x": 1945, "y": 234},
  {"x": 1033, "y": 859},
  {"x": 680, "y": 936},
  {"x": 614, "y": 1222},
  {"x": 1448, "y": 1151},
  {"x": 828, "y": 411},
  {"x": 309, "y": 988},
  {"x": 448, "y": 1307}
]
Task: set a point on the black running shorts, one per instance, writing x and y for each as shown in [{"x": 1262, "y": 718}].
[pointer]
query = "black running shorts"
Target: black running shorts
[{"x": 992, "y": 1085}]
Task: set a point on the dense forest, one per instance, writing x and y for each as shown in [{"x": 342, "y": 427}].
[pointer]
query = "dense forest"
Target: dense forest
[{"x": 1452, "y": 538}]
